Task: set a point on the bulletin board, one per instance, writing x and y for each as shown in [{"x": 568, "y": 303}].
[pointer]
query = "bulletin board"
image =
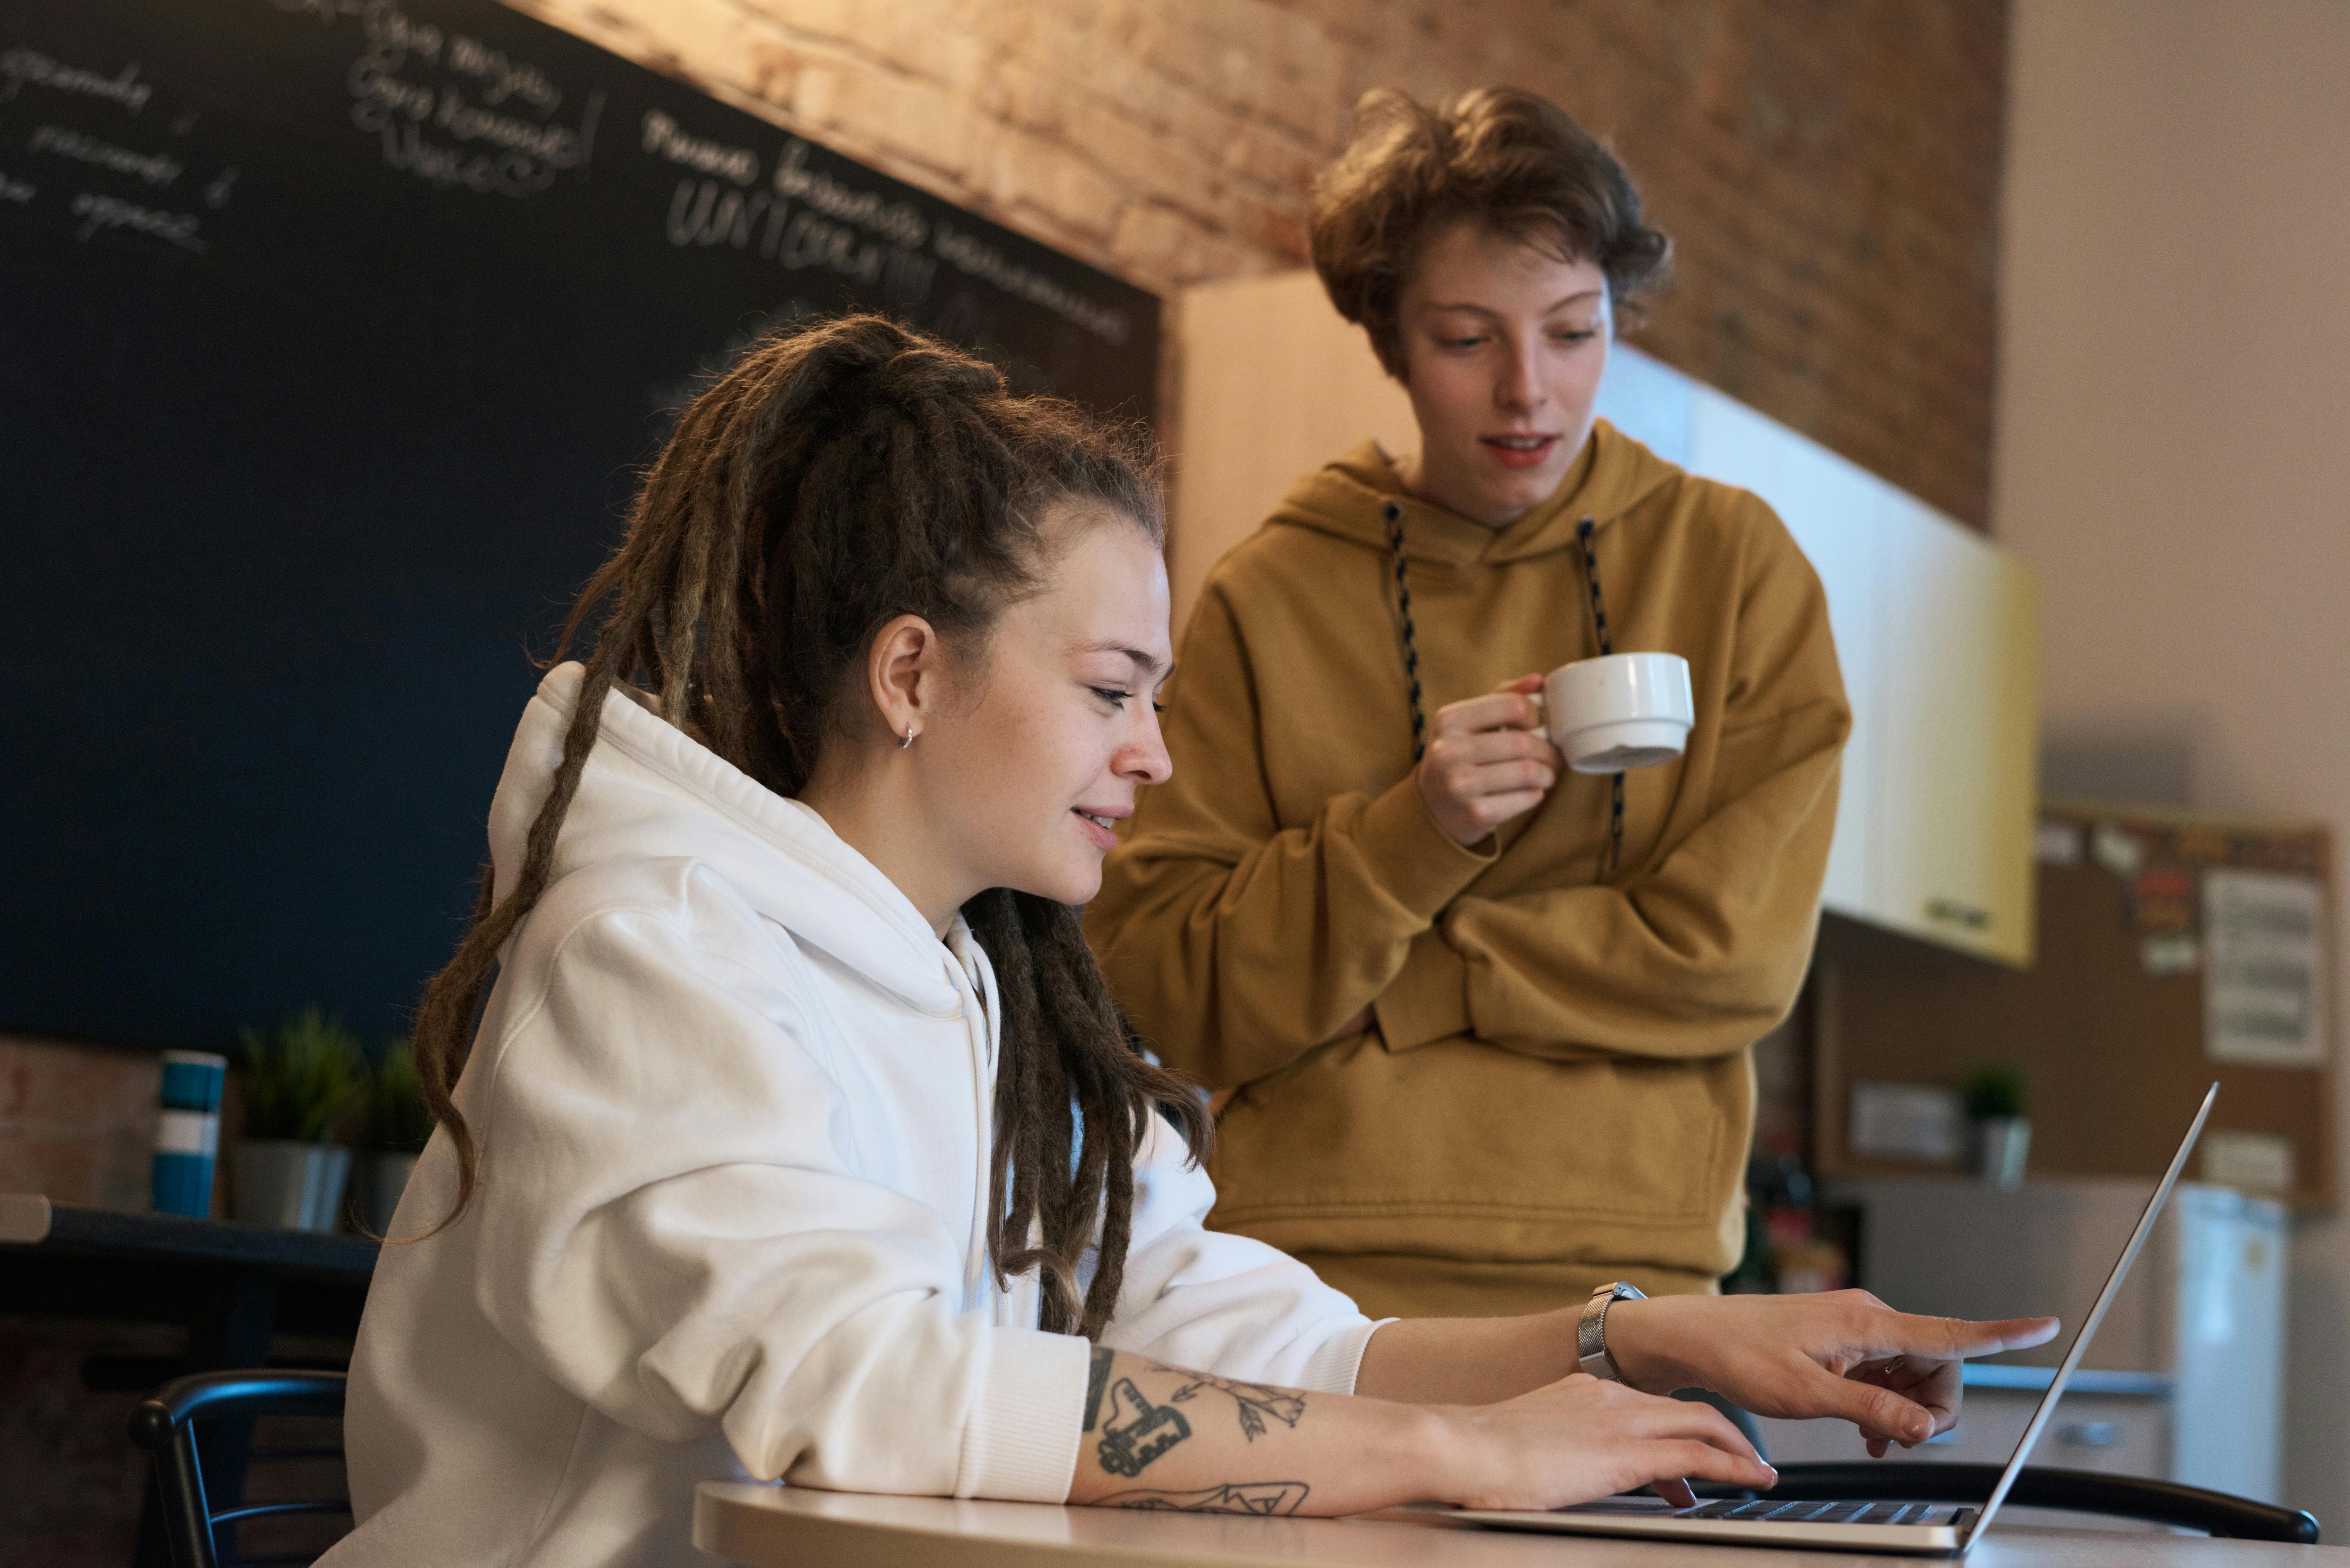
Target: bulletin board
[{"x": 2139, "y": 1000}]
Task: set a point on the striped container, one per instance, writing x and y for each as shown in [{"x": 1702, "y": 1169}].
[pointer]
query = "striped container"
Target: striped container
[{"x": 188, "y": 1140}]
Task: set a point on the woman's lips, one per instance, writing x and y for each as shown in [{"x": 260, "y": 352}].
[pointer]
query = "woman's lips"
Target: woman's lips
[
  {"x": 1519, "y": 451},
  {"x": 1104, "y": 839}
]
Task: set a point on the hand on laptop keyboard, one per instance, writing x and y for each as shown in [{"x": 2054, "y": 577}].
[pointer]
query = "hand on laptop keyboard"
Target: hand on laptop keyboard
[
  {"x": 1580, "y": 1439},
  {"x": 1845, "y": 1353}
]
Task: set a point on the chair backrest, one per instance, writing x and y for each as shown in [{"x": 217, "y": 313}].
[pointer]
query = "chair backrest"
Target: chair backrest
[
  {"x": 164, "y": 1425},
  {"x": 2079, "y": 1491}
]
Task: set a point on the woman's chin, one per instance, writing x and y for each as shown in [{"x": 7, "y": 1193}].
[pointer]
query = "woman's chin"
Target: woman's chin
[{"x": 1063, "y": 884}]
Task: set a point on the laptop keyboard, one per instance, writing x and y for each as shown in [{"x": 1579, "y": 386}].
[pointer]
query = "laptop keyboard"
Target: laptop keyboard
[{"x": 1826, "y": 1512}]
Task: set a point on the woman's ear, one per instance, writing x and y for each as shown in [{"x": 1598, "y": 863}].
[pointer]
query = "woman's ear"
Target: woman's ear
[{"x": 906, "y": 675}]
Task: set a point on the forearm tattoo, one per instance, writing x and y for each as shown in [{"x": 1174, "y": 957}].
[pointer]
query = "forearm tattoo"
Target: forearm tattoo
[
  {"x": 1256, "y": 1401},
  {"x": 1266, "y": 1498},
  {"x": 1096, "y": 1381},
  {"x": 1134, "y": 1431}
]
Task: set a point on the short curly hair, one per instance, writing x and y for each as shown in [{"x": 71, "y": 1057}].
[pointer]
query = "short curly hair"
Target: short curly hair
[{"x": 1503, "y": 155}]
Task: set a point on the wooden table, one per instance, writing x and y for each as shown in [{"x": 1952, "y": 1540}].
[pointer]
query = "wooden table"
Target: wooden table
[{"x": 790, "y": 1527}]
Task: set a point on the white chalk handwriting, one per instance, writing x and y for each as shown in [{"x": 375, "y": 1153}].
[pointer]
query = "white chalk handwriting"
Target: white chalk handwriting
[
  {"x": 396, "y": 35},
  {"x": 894, "y": 220},
  {"x": 17, "y": 191},
  {"x": 435, "y": 131},
  {"x": 325, "y": 11},
  {"x": 704, "y": 212},
  {"x": 971, "y": 255},
  {"x": 678, "y": 145},
  {"x": 156, "y": 169},
  {"x": 100, "y": 214},
  {"x": 500, "y": 173},
  {"x": 501, "y": 78},
  {"x": 21, "y": 68},
  {"x": 556, "y": 146}
]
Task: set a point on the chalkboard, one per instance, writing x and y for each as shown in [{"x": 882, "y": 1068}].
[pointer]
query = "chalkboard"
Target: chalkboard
[{"x": 333, "y": 337}]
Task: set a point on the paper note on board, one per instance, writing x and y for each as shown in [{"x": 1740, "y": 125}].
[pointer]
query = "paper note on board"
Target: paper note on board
[
  {"x": 1904, "y": 1121},
  {"x": 2249, "y": 1162},
  {"x": 2055, "y": 842},
  {"x": 2264, "y": 969},
  {"x": 2116, "y": 850},
  {"x": 2167, "y": 953}
]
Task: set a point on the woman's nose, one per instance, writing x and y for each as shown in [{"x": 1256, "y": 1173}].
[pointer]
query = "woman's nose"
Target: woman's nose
[{"x": 1145, "y": 759}]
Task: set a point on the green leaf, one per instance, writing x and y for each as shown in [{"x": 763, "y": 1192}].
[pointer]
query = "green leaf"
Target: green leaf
[{"x": 301, "y": 1080}]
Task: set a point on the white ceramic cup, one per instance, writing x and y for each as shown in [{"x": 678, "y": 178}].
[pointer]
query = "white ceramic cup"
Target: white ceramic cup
[{"x": 1625, "y": 711}]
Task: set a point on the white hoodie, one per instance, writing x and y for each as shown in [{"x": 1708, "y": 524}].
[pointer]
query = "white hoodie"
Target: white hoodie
[{"x": 733, "y": 1103}]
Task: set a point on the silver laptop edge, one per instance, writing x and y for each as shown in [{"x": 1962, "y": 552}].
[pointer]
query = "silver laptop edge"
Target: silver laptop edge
[
  {"x": 2097, "y": 1316},
  {"x": 1940, "y": 1539}
]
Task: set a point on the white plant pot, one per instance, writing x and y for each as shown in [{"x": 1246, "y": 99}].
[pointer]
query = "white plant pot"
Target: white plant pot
[
  {"x": 383, "y": 1179},
  {"x": 293, "y": 1186}
]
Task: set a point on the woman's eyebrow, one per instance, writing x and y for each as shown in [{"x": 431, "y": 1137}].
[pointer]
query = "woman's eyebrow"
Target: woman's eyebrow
[{"x": 1145, "y": 664}]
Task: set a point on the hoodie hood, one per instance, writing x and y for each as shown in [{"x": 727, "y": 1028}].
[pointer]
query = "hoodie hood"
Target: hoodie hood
[
  {"x": 649, "y": 791},
  {"x": 1612, "y": 474}
]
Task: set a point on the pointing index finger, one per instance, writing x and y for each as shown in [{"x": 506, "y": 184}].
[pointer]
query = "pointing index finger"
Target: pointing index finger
[{"x": 1957, "y": 1338}]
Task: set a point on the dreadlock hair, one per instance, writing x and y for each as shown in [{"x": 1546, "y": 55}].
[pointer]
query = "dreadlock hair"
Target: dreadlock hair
[{"x": 839, "y": 476}]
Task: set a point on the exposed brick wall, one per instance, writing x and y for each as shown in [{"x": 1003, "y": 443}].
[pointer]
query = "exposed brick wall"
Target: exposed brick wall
[
  {"x": 77, "y": 1122},
  {"x": 1828, "y": 168}
]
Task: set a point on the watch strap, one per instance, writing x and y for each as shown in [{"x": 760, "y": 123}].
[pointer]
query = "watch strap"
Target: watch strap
[{"x": 1591, "y": 1331}]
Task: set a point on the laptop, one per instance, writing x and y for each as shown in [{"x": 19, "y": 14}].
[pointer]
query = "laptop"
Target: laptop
[{"x": 1943, "y": 1529}]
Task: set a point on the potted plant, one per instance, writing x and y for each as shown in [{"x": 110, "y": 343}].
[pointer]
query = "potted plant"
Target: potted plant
[
  {"x": 299, "y": 1083},
  {"x": 2000, "y": 1133},
  {"x": 396, "y": 1125}
]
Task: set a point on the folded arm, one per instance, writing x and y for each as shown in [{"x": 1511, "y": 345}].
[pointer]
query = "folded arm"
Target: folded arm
[{"x": 1696, "y": 956}]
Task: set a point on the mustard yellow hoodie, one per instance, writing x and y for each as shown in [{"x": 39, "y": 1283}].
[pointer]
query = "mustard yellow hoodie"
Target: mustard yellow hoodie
[{"x": 1556, "y": 1090}]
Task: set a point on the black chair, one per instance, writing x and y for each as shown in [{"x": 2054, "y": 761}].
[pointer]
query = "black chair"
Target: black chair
[
  {"x": 2080, "y": 1491},
  {"x": 164, "y": 1425}
]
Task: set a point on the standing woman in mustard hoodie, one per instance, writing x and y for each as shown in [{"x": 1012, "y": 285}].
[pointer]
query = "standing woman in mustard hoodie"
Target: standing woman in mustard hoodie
[{"x": 1485, "y": 1023}]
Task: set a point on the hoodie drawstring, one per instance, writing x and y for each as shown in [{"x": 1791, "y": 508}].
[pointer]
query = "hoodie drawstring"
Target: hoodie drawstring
[
  {"x": 1393, "y": 513},
  {"x": 1582, "y": 531}
]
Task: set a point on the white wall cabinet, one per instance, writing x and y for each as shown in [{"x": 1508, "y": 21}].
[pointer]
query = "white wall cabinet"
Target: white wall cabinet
[
  {"x": 1953, "y": 761},
  {"x": 1938, "y": 631}
]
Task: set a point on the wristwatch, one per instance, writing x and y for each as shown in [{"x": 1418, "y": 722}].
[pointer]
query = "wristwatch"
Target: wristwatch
[{"x": 1591, "y": 1331}]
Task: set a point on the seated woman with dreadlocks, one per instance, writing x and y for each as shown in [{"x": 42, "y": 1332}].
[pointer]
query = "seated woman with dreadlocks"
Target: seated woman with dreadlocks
[{"x": 798, "y": 1137}]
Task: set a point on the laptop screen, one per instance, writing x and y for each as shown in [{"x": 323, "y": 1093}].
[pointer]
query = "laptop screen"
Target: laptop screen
[{"x": 2097, "y": 1316}]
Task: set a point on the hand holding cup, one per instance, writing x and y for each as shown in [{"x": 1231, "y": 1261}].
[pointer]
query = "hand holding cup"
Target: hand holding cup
[{"x": 1487, "y": 760}]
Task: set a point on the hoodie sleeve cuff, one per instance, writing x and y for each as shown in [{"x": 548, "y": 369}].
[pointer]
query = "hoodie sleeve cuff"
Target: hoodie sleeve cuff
[
  {"x": 1429, "y": 1000},
  {"x": 1021, "y": 1444},
  {"x": 1417, "y": 862},
  {"x": 1333, "y": 1369}
]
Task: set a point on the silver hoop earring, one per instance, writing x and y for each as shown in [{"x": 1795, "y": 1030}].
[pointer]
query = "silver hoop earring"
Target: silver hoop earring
[{"x": 910, "y": 736}]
